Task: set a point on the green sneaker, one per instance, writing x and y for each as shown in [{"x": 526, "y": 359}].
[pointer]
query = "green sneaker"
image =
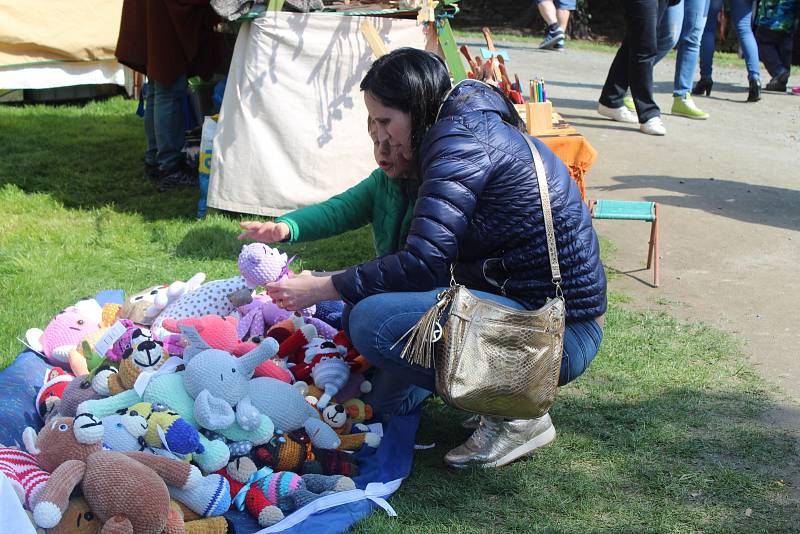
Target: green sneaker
[
  {"x": 685, "y": 107},
  {"x": 627, "y": 101}
]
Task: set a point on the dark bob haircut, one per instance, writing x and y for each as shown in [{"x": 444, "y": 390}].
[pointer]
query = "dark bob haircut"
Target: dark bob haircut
[{"x": 412, "y": 81}]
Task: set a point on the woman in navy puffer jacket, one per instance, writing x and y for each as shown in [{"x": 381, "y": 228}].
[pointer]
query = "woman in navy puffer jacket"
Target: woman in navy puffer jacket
[{"x": 478, "y": 208}]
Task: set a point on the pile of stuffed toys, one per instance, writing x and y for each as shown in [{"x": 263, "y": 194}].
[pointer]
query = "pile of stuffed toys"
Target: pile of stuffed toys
[{"x": 188, "y": 399}]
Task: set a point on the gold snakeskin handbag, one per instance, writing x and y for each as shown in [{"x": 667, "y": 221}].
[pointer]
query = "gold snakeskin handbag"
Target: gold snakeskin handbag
[{"x": 491, "y": 359}]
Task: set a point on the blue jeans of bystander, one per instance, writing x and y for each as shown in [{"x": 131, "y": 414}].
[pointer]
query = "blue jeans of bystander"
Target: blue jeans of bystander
[
  {"x": 682, "y": 26},
  {"x": 741, "y": 15},
  {"x": 163, "y": 123}
]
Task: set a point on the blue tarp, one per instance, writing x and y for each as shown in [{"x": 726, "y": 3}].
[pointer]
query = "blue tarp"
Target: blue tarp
[{"x": 380, "y": 470}]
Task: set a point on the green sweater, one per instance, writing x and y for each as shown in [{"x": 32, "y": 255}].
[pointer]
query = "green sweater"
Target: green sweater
[{"x": 387, "y": 203}]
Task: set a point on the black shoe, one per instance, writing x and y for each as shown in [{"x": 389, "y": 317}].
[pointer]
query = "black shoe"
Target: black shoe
[
  {"x": 180, "y": 177},
  {"x": 703, "y": 85},
  {"x": 754, "y": 95},
  {"x": 778, "y": 83},
  {"x": 151, "y": 172}
]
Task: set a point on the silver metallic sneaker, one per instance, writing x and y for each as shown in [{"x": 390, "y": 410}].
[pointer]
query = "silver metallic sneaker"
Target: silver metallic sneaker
[
  {"x": 498, "y": 442},
  {"x": 472, "y": 422}
]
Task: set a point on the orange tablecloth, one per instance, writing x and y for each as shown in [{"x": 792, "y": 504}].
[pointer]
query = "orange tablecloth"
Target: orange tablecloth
[{"x": 576, "y": 153}]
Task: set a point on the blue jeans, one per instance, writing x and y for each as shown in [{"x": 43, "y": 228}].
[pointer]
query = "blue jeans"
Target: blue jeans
[
  {"x": 683, "y": 26},
  {"x": 377, "y": 322},
  {"x": 562, "y": 4},
  {"x": 163, "y": 123},
  {"x": 775, "y": 49},
  {"x": 741, "y": 13}
]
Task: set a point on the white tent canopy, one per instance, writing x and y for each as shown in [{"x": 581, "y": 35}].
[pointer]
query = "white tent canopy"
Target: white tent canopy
[{"x": 57, "y": 43}]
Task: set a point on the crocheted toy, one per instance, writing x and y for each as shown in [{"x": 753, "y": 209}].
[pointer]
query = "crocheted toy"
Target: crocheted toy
[
  {"x": 79, "y": 519},
  {"x": 70, "y": 449},
  {"x": 358, "y": 363},
  {"x": 330, "y": 373},
  {"x": 76, "y": 391},
  {"x": 258, "y": 265},
  {"x": 65, "y": 331},
  {"x": 352, "y": 434},
  {"x": 143, "y": 307},
  {"x": 169, "y": 389},
  {"x": 142, "y": 353},
  {"x": 161, "y": 427},
  {"x": 219, "y": 382},
  {"x": 83, "y": 358},
  {"x": 208, "y": 498},
  {"x": 287, "y": 408},
  {"x": 24, "y": 473},
  {"x": 286, "y": 453},
  {"x": 292, "y": 351},
  {"x": 268, "y": 495},
  {"x": 49, "y": 397},
  {"x": 221, "y": 333},
  {"x": 261, "y": 314}
]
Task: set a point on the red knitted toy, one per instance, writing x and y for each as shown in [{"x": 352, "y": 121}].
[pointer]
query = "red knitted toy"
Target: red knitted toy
[{"x": 26, "y": 477}]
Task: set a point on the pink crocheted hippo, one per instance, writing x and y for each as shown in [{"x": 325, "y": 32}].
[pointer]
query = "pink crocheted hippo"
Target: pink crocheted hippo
[
  {"x": 66, "y": 331},
  {"x": 258, "y": 264}
]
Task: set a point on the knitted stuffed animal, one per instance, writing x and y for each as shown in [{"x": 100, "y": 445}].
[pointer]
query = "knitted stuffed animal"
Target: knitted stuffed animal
[
  {"x": 79, "y": 519},
  {"x": 142, "y": 353},
  {"x": 221, "y": 333},
  {"x": 161, "y": 427},
  {"x": 258, "y": 265},
  {"x": 211, "y": 497},
  {"x": 285, "y": 405},
  {"x": 286, "y": 453},
  {"x": 268, "y": 495},
  {"x": 76, "y": 391},
  {"x": 80, "y": 359},
  {"x": 65, "y": 331},
  {"x": 24, "y": 473},
  {"x": 49, "y": 396},
  {"x": 143, "y": 307},
  {"x": 352, "y": 434},
  {"x": 258, "y": 316},
  {"x": 70, "y": 449},
  {"x": 169, "y": 389},
  {"x": 219, "y": 382}
]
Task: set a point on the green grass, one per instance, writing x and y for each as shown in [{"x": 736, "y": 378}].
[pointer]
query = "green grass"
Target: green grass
[
  {"x": 721, "y": 59},
  {"x": 662, "y": 434}
]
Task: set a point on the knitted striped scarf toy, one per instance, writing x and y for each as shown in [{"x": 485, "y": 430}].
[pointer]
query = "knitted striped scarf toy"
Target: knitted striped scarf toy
[{"x": 22, "y": 469}]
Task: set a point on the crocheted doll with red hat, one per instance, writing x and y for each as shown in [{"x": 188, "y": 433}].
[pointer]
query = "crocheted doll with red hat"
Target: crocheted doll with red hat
[{"x": 55, "y": 382}]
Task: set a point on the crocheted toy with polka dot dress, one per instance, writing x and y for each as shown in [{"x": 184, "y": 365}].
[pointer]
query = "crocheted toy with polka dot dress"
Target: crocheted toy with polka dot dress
[{"x": 258, "y": 264}]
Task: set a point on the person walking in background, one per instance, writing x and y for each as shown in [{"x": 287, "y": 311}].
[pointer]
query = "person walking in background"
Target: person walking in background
[
  {"x": 168, "y": 42},
  {"x": 682, "y": 26},
  {"x": 633, "y": 67},
  {"x": 775, "y": 27},
  {"x": 741, "y": 14},
  {"x": 556, "y": 15}
]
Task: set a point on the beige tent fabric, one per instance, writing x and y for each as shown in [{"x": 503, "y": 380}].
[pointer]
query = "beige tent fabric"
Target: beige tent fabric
[
  {"x": 57, "y": 30},
  {"x": 293, "y": 126}
]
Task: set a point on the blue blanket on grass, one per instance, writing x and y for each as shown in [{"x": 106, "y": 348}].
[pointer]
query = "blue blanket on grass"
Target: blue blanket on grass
[{"x": 381, "y": 470}]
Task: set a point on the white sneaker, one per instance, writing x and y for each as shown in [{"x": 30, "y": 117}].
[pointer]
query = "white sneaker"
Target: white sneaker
[
  {"x": 620, "y": 114},
  {"x": 653, "y": 126}
]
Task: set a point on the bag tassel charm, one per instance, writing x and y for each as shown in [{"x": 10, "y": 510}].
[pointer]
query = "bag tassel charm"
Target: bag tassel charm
[{"x": 427, "y": 331}]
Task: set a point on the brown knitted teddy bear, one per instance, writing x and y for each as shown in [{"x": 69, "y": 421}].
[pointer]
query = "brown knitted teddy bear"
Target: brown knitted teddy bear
[{"x": 126, "y": 491}]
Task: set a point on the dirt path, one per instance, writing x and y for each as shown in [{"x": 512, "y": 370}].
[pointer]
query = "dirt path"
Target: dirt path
[{"x": 729, "y": 190}]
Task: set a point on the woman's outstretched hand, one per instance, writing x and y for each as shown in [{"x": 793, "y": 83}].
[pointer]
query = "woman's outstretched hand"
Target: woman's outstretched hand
[
  {"x": 302, "y": 290},
  {"x": 266, "y": 232}
]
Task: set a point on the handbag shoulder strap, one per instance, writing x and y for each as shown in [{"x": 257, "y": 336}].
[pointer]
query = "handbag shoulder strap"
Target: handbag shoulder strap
[{"x": 544, "y": 193}]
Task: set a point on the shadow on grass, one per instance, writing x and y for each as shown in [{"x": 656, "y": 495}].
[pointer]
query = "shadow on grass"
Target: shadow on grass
[
  {"x": 209, "y": 243},
  {"x": 86, "y": 157},
  {"x": 681, "y": 460}
]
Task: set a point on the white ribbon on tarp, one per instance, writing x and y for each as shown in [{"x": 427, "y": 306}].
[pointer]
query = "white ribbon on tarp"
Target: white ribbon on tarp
[
  {"x": 144, "y": 379},
  {"x": 375, "y": 492}
]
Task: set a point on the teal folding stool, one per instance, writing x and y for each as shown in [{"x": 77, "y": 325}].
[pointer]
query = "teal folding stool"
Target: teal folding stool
[{"x": 633, "y": 210}]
